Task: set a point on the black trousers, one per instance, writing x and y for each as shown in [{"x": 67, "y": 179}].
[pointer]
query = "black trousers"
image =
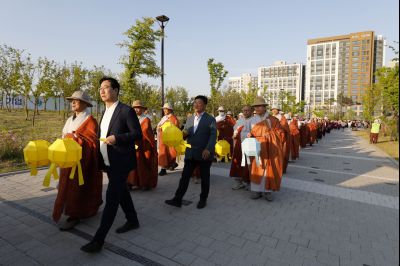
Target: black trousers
[
  {"x": 117, "y": 194},
  {"x": 188, "y": 169}
]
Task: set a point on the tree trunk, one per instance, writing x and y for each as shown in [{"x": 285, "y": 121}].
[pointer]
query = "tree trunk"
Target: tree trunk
[
  {"x": 1, "y": 100},
  {"x": 34, "y": 113},
  {"x": 59, "y": 105},
  {"x": 26, "y": 108}
]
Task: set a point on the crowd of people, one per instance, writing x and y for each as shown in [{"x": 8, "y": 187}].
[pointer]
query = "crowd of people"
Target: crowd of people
[{"x": 124, "y": 146}]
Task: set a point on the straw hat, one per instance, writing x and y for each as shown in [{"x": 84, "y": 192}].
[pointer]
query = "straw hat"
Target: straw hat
[
  {"x": 81, "y": 96},
  {"x": 167, "y": 106},
  {"x": 221, "y": 109},
  {"x": 229, "y": 113},
  {"x": 275, "y": 107},
  {"x": 259, "y": 101},
  {"x": 138, "y": 103}
]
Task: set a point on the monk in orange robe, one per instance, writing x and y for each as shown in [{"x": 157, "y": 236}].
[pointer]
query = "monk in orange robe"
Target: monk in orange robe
[
  {"x": 286, "y": 135},
  {"x": 239, "y": 172},
  {"x": 166, "y": 155},
  {"x": 267, "y": 176},
  {"x": 225, "y": 127},
  {"x": 145, "y": 176},
  {"x": 304, "y": 134},
  {"x": 294, "y": 138},
  {"x": 313, "y": 131},
  {"x": 80, "y": 202}
]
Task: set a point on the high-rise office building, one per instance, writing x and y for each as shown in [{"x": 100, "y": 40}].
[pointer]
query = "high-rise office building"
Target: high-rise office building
[
  {"x": 281, "y": 77},
  {"x": 243, "y": 82},
  {"x": 342, "y": 64}
]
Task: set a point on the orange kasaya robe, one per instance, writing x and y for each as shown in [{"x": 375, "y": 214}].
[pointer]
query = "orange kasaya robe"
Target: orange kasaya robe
[
  {"x": 146, "y": 173},
  {"x": 80, "y": 202},
  {"x": 225, "y": 130},
  {"x": 166, "y": 155},
  {"x": 285, "y": 142},
  {"x": 294, "y": 139},
  {"x": 313, "y": 132},
  {"x": 271, "y": 155},
  {"x": 304, "y": 135},
  {"x": 236, "y": 169}
]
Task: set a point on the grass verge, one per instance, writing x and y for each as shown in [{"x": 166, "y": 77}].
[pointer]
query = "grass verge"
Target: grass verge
[{"x": 384, "y": 143}]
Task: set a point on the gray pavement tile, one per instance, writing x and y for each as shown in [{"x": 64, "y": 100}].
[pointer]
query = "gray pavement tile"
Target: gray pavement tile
[
  {"x": 202, "y": 252},
  {"x": 301, "y": 241},
  {"x": 251, "y": 236},
  {"x": 184, "y": 257},
  {"x": 327, "y": 258},
  {"x": 220, "y": 259},
  {"x": 235, "y": 240}
]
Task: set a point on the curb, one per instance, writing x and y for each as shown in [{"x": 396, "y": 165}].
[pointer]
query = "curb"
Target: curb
[{"x": 20, "y": 172}]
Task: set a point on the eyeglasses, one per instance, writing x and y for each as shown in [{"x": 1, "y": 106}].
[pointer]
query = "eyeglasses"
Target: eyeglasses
[{"x": 106, "y": 88}]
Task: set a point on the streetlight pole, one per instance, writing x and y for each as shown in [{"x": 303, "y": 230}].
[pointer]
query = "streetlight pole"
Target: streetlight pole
[{"x": 162, "y": 21}]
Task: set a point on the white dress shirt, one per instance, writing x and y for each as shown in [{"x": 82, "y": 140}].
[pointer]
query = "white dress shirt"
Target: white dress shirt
[
  {"x": 197, "y": 119},
  {"x": 105, "y": 123}
]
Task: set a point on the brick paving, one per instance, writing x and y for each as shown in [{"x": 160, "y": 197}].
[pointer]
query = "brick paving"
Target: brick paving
[{"x": 339, "y": 205}]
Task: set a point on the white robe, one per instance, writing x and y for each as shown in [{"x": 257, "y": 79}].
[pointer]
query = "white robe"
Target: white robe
[{"x": 73, "y": 124}]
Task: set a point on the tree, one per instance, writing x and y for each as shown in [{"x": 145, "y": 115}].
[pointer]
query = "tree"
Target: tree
[
  {"x": 388, "y": 84},
  {"x": 140, "y": 59},
  {"x": 343, "y": 101},
  {"x": 249, "y": 95},
  {"x": 217, "y": 76},
  {"x": 179, "y": 99},
  {"x": 49, "y": 90},
  {"x": 62, "y": 77},
  {"x": 10, "y": 73},
  {"x": 27, "y": 72},
  {"x": 371, "y": 102},
  {"x": 232, "y": 100}
]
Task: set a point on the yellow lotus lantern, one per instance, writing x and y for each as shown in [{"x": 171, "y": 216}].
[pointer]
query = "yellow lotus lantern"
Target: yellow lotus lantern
[
  {"x": 35, "y": 154},
  {"x": 64, "y": 153},
  {"x": 173, "y": 136},
  {"x": 223, "y": 149}
]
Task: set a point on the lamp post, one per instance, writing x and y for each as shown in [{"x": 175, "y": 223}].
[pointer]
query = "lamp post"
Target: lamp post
[{"x": 162, "y": 21}]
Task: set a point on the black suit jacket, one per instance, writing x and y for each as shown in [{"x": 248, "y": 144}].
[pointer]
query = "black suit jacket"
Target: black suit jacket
[
  {"x": 125, "y": 126},
  {"x": 204, "y": 137}
]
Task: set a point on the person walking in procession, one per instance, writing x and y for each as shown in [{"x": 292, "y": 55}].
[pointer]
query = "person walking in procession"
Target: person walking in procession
[
  {"x": 166, "y": 155},
  {"x": 80, "y": 202},
  {"x": 119, "y": 129},
  {"x": 145, "y": 176},
  {"x": 201, "y": 132}
]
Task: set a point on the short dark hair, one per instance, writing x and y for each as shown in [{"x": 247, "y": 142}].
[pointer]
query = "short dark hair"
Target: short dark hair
[
  {"x": 114, "y": 83},
  {"x": 202, "y": 97}
]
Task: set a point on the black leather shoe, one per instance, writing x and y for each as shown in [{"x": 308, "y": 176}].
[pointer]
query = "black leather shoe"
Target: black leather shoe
[
  {"x": 92, "y": 247},
  {"x": 174, "y": 202},
  {"x": 127, "y": 227},
  {"x": 201, "y": 204},
  {"x": 162, "y": 172}
]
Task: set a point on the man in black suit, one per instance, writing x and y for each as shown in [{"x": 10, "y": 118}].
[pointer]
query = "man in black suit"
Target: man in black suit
[
  {"x": 119, "y": 128},
  {"x": 201, "y": 132}
]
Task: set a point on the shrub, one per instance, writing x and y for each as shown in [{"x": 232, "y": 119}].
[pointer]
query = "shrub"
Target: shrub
[{"x": 11, "y": 145}]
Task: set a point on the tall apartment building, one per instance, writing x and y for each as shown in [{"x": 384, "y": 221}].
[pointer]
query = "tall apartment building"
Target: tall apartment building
[
  {"x": 342, "y": 64},
  {"x": 281, "y": 77},
  {"x": 242, "y": 83}
]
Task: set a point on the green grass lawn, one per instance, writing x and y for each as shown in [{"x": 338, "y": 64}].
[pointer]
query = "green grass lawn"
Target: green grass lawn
[
  {"x": 48, "y": 126},
  {"x": 384, "y": 143}
]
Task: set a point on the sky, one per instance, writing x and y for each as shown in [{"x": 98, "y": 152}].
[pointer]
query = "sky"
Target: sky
[{"x": 243, "y": 35}]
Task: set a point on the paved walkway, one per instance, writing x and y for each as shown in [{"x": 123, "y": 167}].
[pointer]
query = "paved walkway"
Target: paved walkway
[{"x": 339, "y": 205}]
